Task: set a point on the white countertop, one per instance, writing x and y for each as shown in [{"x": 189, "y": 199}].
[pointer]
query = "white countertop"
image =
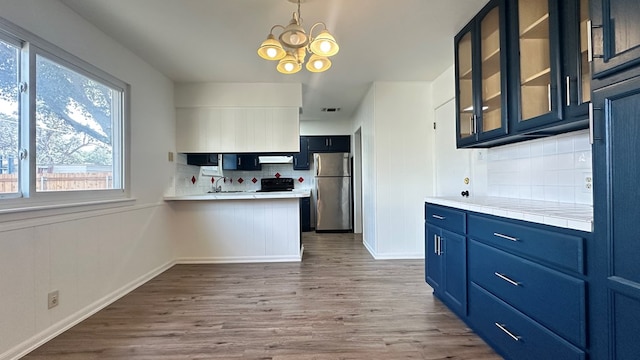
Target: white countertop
[
  {"x": 565, "y": 215},
  {"x": 241, "y": 195}
]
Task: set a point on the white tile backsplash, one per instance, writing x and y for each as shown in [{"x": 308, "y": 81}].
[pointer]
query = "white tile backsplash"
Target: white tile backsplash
[{"x": 551, "y": 169}]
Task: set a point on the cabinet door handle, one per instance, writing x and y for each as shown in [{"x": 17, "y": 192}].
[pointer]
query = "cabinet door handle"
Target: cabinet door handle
[
  {"x": 239, "y": 161},
  {"x": 504, "y": 329},
  {"x": 507, "y": 279},
  {"x": 568, "y": 91},
  {"x": 330, "y": 142},
  {"x": 590, "y": 54},
  {"x": 255, "y": 162},
  {"x": 438, "y": 217},
  {"x": 549, "y": 95},
  {"x": 295, "y": 161},
  {"x": 439, "y": 245},
  {"x": 505, "y": 236},
  {"x": 475, "y": 124},
  {"x": 592, "y": 109},
  {"x": 435, "y": 244},
  {"x": 326, "y": 142}
]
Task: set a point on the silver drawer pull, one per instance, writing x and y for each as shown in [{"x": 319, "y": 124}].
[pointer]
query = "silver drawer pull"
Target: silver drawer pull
[
  {"x": 437, "y": 217},
  {"x": 510, "y": 281},
  {"x": 504, "y": 329},
  {"x": 505, "y": 236}
]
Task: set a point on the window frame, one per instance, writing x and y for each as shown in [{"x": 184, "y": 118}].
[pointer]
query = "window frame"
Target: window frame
[{"x": 31, "y": 46}]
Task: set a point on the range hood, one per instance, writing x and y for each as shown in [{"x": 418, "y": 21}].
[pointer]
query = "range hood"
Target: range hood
[{"x": 275, "y": 159}]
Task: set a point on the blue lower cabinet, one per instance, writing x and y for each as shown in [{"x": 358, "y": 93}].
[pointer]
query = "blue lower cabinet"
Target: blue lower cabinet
[
  {"x": 511, "y": 333},
  {"x": 446, "y": 256},
  {"x": 520, "y": 286},
  {"x": 555, "y": 300}
]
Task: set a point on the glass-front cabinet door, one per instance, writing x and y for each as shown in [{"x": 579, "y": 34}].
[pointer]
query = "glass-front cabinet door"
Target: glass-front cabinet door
[
  {"x": 492, "y": 118},
  {"x": 481, "y": 76},
  {"x": 576, "y": 67},
  {"x": 538, "y": 58},
  {"x": 465, "y": 98},
  {"x": 584, "y": 72}
]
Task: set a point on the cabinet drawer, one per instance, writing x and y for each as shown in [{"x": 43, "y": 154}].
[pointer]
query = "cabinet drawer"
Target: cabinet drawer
[
  {"x": 551, "y": 247},
  {"x": 445, "y": 218},
  {"x": 554, "y": 299},
  {"x": 513, "y": 334}
]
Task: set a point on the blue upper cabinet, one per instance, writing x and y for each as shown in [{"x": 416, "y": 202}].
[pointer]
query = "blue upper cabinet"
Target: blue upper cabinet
[
  {"x": 616, "y": 36},
  {"x": 247, "y": 162},
  {"x": 301, "y": 159},
  {"x": 525, "y": 80},
  {"x": 552, "y": 77},
  {"x": 481, "y": 79}
]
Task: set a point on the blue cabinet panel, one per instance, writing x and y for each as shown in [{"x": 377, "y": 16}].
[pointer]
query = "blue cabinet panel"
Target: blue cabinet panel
[
  {"x": 454, "y": 254},
  {"x": 615, "y": 290},
  {"x": 554, "y": 299},
  {"x": 433, "y": 261},
  {"x": 626, "y": 319},
  {"x": 446, "y": 218},
  {"x": 552, "y": 247},
  {"x": 513, "y": 334}
]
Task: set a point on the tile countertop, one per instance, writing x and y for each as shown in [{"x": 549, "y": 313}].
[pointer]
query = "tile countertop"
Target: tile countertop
[
  {"x": 565, "y": 215},
  {"x": 241, "y": 195}
]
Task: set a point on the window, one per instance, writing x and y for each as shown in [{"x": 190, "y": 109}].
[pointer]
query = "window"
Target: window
[
  {"x": 62, "y": 124},
  {"x": 9, "y": 106}
]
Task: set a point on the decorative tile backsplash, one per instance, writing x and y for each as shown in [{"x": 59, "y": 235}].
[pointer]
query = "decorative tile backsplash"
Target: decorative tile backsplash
[
  {"x": 556, "y": 168},
  {"x": 234, "y": 180}
]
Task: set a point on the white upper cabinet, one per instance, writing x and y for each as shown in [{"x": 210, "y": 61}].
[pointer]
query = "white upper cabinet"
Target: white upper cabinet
[
  {"x": 237, "y": 118},
  {"x": 237, "y": 130}
]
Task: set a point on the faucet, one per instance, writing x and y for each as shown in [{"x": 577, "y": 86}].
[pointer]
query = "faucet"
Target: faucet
[{"x": 218, "y": 188}]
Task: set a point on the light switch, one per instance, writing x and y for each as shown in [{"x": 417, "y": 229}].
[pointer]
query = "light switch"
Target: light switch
[{"x": 170, "y": 156}]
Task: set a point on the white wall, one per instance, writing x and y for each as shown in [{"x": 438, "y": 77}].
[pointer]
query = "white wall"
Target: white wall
[
  {"x": 364, "y": 122},
  {"x": 326, "y": 127},
  {"x": 90, "y": 256},
  {"x": 452, "y": 165},
  {"x": 397, "y": 138}
]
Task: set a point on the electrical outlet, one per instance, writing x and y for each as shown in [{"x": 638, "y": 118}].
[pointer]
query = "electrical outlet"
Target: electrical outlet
[
  {"x": 53, "y": 299},
  {"x": 588, "y": 183},
  {"x": 170, "y": 156}
]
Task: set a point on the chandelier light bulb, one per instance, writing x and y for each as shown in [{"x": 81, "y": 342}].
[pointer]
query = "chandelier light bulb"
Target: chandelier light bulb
[
  {"x": 325, "y": 46},
  {"x": 271, "y": 52},
  {"x": 288, "y": 66},
  {"x": 318, "y": 64}
]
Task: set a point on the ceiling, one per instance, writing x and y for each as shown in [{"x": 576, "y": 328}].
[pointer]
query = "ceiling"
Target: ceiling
[{"x": 216, "y": 40}]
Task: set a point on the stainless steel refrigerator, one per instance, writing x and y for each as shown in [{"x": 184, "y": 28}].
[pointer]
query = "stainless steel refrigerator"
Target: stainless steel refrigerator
[{"x": 333, "y": 191}]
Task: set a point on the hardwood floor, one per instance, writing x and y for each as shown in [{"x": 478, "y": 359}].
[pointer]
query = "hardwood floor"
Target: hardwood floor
[{"x": 337, "y": 304}]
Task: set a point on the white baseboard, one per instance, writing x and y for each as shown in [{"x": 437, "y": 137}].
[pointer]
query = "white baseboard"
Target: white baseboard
[
  {"x": 369, "y": 249},
  {"x": 399, "y": 256},
  {"x": 65, "y": 324},
  {"x": 238, "y": 259}
]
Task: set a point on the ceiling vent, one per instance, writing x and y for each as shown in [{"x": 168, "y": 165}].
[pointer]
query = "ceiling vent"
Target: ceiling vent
[{"x": 331, "y": 110}]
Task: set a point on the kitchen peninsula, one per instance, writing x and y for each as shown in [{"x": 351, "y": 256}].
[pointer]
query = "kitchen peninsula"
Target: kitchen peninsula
[{"x": 232, "y": 227}]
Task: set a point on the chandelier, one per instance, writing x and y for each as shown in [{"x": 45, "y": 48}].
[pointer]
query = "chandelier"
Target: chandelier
[{"x": 293, "y": 44}]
